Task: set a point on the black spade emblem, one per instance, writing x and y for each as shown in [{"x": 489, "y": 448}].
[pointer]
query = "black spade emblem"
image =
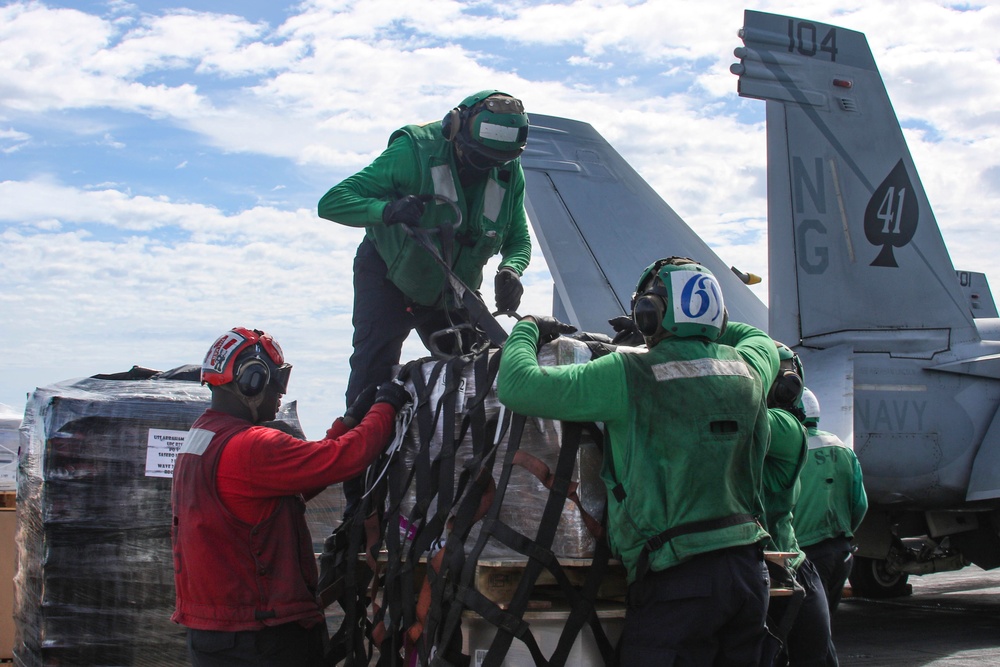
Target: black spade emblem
[{"x": 891, "y": 215}]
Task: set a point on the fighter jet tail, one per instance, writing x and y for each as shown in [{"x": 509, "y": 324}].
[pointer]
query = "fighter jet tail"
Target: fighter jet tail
[
  {"x": 855, "y": 253},
  {"x": 600, "y": 224}
]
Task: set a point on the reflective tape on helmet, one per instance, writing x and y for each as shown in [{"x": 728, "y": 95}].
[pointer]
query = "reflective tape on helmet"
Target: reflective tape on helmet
[{"x": 498, "y": 132}]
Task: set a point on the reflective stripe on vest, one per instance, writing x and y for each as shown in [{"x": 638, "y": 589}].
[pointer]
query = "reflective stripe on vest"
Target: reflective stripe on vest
[
  {"x": 679, "y": 370},
  {"x": 444, "y": 182}
]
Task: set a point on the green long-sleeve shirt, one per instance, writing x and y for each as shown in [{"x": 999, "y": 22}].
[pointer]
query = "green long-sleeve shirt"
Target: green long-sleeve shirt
[
  {"x": 786, "y": 455},
  {"x": 687, "y": 432},
  {"x": 419, "y": 161},
  {"x": 832, "y": 501}
]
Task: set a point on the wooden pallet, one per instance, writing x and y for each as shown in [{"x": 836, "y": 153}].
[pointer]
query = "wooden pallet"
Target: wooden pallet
[
  {"x": 497, "y": 580},
  {"x": 782, "y": 558}
]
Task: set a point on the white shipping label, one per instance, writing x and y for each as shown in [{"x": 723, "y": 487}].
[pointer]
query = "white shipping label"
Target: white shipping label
[{"x": 162, "y": 447}]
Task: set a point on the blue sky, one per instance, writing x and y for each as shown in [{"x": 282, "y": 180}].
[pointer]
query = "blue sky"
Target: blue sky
[{"x": 160, "y": 162}]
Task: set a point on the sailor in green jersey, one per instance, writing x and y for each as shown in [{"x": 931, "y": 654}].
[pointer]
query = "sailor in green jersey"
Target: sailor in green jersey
[
  {"x": 831, "y": 505},
  {"x": 687, "y": 431},
  {"x": 469, "y": 158},
  {"x": 801, "y": 623}
]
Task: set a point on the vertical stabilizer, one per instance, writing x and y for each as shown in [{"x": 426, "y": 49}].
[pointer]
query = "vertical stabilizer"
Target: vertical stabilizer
[
  {"x": 855, "y": 254},
  {"x": 600, "y": 224}
]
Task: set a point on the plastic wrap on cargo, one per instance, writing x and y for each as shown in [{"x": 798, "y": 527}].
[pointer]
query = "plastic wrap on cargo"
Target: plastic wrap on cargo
[
  {"x": 95, "y": 580},
  {"x": 525, "y": 496}
]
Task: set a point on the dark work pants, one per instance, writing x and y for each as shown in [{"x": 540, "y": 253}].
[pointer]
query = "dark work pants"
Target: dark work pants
[
  {"x": 382, "y": 321},
  {"x": 709, "y": 610},
  {"x": 288, "y": 645},
  {"x": 833, "y": 559},
  {"x": 809, "y": 643}
]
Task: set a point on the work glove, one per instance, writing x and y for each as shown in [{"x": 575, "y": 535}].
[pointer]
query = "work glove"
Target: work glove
[
  {"x": 406, "y": 210},
  {"x": 406, "y": 370},
  {"x": 362, "y": 404},
  {"x": 394, "y": 394},
  {"x": 508, "y": 289},
  {"x": 626, "y": 332},
  {"x": 549, "y": 328}
]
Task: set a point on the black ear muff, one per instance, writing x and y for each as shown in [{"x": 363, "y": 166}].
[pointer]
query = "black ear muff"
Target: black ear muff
[
  {"x": 785, "y": 391},
  {"x": 451, "y": 124},
  {"x": 647, "y": 313},
  {"x": 252, "y": 377}
]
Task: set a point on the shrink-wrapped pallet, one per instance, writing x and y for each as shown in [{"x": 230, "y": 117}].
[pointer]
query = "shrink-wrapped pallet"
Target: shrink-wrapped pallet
[
  {"x": 95, "y": 580},
  {"x": 524, "y": 497}
]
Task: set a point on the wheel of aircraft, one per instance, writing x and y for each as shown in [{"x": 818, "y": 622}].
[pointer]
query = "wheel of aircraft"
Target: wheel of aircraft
[{"x": 872, "y": 578}]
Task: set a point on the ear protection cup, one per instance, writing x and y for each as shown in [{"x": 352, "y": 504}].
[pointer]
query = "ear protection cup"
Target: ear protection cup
[
  {"x": 785, "y": 391},
  {"x": 451, "y": 124},
  {"x": 252, "y": 377},
  {"x": 648, "y": 313}
]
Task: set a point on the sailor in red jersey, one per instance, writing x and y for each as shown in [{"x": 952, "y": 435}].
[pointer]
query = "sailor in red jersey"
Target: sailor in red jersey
[{"x": 244, "y": 567}]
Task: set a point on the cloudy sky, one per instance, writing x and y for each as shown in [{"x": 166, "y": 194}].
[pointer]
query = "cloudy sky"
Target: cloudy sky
[{"x": 160, "y": 161}]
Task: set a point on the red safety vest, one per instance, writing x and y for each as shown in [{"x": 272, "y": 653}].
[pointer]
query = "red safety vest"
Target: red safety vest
[{"x": 231, "y": 575}]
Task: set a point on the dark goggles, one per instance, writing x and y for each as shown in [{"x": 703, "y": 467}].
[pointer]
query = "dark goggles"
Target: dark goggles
[{"x": 280, "y": 376}]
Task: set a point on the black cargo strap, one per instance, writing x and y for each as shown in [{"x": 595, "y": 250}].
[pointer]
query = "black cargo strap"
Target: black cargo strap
[
  {"x": 460, "y": 496},
  {"x": 654, "y": 543},
  {"x": 540, "y": 555}
]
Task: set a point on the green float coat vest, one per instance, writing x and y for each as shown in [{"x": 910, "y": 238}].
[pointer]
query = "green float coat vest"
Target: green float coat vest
[
  {"x": 833, "y": 500},
  {"x": 487, "y": 209},
  {"x": 696, "y": 451}
]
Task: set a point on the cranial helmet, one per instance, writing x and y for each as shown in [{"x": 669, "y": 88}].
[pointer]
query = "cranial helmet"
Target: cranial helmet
[
  {"x": 810, "y": 408},
  {"x": 786, "y": 390},
  {"x": 247, "y": 361},
  {"x": 677, "y": 296},
  {"x": 489, "y": 128}
]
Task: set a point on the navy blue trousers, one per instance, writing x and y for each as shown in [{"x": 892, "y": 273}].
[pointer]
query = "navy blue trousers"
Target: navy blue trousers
[
  {"x": 833, "y": 559},
  {"x": 809, "y": 642},
  {"x": 288, "y": 645},
  {"x": 383, "y": 318},
  {"x": 707, "y": 611}
]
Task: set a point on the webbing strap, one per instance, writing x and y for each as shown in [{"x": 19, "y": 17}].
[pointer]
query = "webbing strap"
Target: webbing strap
[
  {"x": 478, "y": 472},
  {"x": 459, "y": 506},
  {"x": 546, "y": 533},
  {"x": 657, "y": 541}
]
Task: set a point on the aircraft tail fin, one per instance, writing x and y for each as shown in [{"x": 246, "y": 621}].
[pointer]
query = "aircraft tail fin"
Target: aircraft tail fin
[
  {"x": 855, "y": 254},
  {"x": 600, "y": 224}
]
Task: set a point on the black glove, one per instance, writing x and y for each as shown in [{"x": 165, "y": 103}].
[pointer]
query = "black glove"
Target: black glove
[
  {"x": 406, "y": 210},
  {"x": 394, "y": 394},
  {"x": 626, "y": 332},
  {"x": 549, "y": 328},
  {"x": 599, "y": 349},
  {"x": 407, "y": 369},
  {"x": 362, "y": 404},
  {"x": 508, "y": 289}
]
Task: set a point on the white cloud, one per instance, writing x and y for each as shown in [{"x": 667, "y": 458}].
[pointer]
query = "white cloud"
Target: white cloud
[{"x": 93, "y": 274}]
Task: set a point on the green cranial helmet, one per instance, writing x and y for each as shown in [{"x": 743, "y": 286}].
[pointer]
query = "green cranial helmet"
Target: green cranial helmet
[
  {"x": 810, "y": 408},
  {"x": 489, "y": 128},
  {"x": 677, "y": 296}
]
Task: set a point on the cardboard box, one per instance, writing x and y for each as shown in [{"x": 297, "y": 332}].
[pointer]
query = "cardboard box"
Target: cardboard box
[
  {"x": 546, "y": 626},
  {"x": 8, "y": 522}
]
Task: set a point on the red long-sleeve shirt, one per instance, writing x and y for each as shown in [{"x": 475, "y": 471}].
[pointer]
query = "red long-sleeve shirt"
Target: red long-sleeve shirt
[{"x": 260, "y": 465}]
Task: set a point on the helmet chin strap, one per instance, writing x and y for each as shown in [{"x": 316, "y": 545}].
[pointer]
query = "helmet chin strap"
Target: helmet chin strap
[{"x": 252, "y": 403}]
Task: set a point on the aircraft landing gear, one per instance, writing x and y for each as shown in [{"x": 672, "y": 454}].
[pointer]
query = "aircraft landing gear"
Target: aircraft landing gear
[{"x": 876, "y": 578}]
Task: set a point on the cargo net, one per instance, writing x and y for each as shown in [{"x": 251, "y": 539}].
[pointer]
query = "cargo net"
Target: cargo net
[{"x": 469, "y": 486}]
